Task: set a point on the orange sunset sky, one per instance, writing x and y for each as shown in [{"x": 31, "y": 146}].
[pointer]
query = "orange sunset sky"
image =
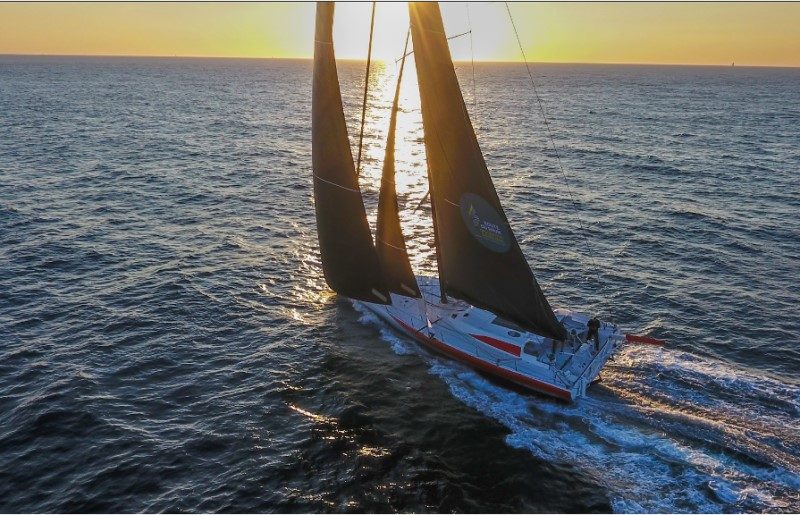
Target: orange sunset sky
[{"x": 763, "y": 34}]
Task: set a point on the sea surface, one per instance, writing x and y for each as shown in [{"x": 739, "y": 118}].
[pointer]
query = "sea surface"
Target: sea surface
[{"x": 167, "y": 342}]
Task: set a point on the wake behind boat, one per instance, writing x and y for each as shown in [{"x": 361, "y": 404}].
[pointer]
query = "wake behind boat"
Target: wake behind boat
[{"x": 485, "y": 308}]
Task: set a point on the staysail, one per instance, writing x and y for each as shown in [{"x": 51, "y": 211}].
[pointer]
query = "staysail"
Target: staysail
[
  {"x": 390, "y": 244},
  {"x": 480, "y": 259},
  {"x": 349, "y": 260}
]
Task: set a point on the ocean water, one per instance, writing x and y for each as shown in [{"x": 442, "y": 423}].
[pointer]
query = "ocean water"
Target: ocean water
[{"x": 167, "y": 342}]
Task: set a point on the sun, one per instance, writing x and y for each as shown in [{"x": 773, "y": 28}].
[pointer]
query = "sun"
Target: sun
[{"x": 351, "y": 30}]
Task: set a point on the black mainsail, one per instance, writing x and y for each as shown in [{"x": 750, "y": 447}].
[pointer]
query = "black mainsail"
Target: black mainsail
[
  {"x": 480, "y": 260},
  {"x": 349, "y": 260},
  {"x": 389, "y": 241}
]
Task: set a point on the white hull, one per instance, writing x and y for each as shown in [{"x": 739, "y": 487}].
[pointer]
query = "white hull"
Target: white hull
[{"x": 478, "y": 338}]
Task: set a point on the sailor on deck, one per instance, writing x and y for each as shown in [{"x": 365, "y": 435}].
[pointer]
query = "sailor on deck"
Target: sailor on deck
[{"x": 594, "y": 327}]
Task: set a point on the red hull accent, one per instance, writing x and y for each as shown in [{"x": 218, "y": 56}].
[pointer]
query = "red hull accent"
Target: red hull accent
[
  {"x": 480, "y": 364},
  {"x": 498, "y": 344}
]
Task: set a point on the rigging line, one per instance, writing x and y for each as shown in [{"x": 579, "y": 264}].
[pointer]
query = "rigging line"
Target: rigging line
[
  {"x": 459, "y": 35},
  {"x": 335, "y": 184},
  {"x": 552, "y": 141},
  {"x": 472, "y": 56},
  {"x": 428, "y": 194},
  {"x": 449, "y": 38},
  {"x": 366, "y": 88}
]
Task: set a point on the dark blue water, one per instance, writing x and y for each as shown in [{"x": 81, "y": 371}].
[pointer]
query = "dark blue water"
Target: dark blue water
[{"x": 167, "y": 342}]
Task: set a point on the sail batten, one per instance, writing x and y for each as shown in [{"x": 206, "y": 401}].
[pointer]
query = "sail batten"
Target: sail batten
[
  {"x": 349, "y": 260},
  {"x": 390, "y": 244},
  {"x": 480, "y": 260}
]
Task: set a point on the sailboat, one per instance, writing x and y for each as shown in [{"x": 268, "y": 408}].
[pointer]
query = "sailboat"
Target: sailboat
[{"x": 485, "y": 308}]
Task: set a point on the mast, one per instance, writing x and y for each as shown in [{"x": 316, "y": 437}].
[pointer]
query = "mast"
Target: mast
[
  {"x": 349, "y": 261},
  {"x": 436, "y": 246},
  {"x": 389, "y": 241},
  {"x": 480, "y": 260}
]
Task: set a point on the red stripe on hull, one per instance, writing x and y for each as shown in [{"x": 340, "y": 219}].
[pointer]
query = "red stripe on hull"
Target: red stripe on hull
[
  {"x": 498, "y": 344},
  {"x": 520, "y": 379}
]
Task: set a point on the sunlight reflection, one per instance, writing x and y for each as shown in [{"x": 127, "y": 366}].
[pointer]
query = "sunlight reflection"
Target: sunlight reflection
[{"x": 411, "y": 177}]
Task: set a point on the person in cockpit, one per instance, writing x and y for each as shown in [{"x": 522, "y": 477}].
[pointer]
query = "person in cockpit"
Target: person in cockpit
[{"x": 594, "y": 328}]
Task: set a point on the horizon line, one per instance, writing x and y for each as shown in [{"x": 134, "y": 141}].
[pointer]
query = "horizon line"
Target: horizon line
[{"x": 489, "y": 61}]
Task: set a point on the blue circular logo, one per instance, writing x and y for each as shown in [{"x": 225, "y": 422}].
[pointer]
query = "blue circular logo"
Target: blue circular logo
[{"x": 485, "y": 223}]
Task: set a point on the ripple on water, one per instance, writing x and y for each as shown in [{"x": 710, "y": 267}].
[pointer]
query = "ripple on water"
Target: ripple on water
[{"x": 169, "y": 345}]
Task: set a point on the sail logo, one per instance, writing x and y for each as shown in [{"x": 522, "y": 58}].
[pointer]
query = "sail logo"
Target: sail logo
[{"x": 485, "y": 223}]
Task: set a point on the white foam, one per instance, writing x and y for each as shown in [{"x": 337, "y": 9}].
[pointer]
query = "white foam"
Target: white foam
[{"x": 400, "y": 345}]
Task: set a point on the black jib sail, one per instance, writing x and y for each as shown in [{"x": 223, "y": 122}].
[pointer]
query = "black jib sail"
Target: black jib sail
[
  {"x": 349, "y": 260},
  {"x": 480, "y": 259},
  {"x": 389, "y": 242}
]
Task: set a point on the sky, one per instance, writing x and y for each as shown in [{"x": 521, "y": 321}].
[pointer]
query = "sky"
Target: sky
[{"x": 761, "y": 34}]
